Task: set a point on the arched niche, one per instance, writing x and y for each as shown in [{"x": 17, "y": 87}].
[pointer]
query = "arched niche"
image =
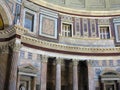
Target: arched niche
[
  {"x": 5, "y": 14},
  {"x": 1, "y": 23}
]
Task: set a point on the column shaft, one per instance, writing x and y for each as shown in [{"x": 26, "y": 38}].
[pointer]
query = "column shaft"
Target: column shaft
[
  {"x": 43, "y": 73},
  {"x": 58, "y": 75},
  {"x": 75, "y": 75},
  {"x": 34, "y": 83},
  {"x": 18, "y": 82},
  {"x": 91, "y": 76}
]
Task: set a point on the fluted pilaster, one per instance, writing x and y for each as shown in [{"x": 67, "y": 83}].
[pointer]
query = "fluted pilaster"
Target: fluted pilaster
[
  {"x": 14, "y": 49},
  {"x": 4, "y": 55}
]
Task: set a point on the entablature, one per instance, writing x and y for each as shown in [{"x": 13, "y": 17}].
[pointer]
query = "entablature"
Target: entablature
[{"x": 35, "y": 42}]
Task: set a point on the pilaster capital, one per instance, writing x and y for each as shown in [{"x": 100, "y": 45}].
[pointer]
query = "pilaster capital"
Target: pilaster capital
[
  {"x": 44, "y": 59},
  {"x": 16, "y": 47},
  {"x": 118, "y": 81},
  {"x": 4, "y": 49},
  {"x": 75, "y": 62},
  {"x": 89, "y": 63}
]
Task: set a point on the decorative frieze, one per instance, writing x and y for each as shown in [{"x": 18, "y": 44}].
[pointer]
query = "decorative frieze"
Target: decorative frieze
[
  {"x": 57, "y": 46},
  {"x": 103, "y": 21}
]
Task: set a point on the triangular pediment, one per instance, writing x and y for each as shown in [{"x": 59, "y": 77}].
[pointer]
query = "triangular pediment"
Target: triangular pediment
[{"x": 27, "y": 68}]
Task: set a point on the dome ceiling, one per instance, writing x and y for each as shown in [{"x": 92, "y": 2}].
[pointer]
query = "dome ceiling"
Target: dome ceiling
[{"x": 106, "y": 7}]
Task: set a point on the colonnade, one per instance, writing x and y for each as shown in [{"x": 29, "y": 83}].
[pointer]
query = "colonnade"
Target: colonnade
[{"x": 58, "y": 61}]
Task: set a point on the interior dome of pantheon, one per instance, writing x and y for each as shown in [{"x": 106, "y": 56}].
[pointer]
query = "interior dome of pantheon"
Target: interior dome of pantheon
[{"x": 83, "y": 7}]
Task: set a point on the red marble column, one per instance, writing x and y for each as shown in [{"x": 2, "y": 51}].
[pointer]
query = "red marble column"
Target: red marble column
[
  {"x": 12, "y": 82},
  {"x": 43, "y": 73},
  {"x": 58, "y": 74},
  {"x": 75, "y": 75}
]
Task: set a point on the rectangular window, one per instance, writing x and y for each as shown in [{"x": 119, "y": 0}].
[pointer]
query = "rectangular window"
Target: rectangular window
[
  {"x": 104, "y": 63},
  {"x": 95, "y": 63},
  {"x": 39, "y": 57},
  {"x": 29, "y": 21},
  {"x": 29, "y": 55},
  {"x": 104, "y": 32},
  {"x": 19, "y": 1},
  {"x": 22, "y": 54},
  {"x": 17, "y": 13},
  {"x": 111, "y": 62},
  {"x": 118, "y": 62},
  {"x": 66, "y": 30}
]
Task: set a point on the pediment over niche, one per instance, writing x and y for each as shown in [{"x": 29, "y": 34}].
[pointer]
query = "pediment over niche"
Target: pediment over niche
[
  {"x": 28, "y": 69},
  {"x": 110, "y": 74}
]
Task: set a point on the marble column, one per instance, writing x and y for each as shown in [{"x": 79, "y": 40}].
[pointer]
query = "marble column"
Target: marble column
[
  {"x": 58, "y": 74},
  {"x": 12, "y": 82},
  {"x": 75, "y": 75},
  {"x": 33, "y": 83},
  {"x": 118, "y": 85},
  {"x": 43, "y": 73},
  {"x": 91, "y": 76},
  {"x": 18, "y": 81}
]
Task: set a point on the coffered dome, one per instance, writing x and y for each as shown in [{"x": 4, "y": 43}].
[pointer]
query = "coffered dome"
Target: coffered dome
[{"x": 87, "y": 7}]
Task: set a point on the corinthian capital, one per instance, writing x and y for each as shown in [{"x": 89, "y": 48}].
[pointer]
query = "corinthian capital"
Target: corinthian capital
[
  {"x": 15, "y": 47},
  {"x": 75, "y": 62},
  {"x": 44, "y": 59},
  {"x": 4, "y": 49},
  {"x": 59, "y": 60}
]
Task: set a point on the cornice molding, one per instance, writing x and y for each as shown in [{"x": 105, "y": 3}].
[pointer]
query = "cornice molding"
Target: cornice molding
[
  {"x": 16, "y": 29},
  {"x": 70, "y": 48}
]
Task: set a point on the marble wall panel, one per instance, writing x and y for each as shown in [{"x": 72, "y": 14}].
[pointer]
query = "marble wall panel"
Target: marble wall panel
[{"x": 48, "y": 27}]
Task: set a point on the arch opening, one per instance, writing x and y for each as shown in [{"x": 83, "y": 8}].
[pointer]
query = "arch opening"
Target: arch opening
[{"x": 1, "y": 23}]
